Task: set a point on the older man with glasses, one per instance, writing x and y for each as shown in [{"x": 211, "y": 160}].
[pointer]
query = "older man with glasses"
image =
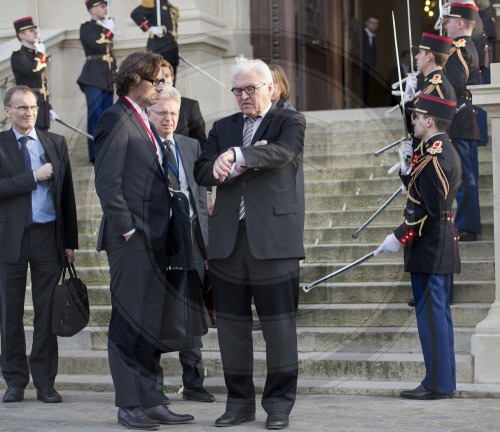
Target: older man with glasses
[{"x": 255, "y": 242}]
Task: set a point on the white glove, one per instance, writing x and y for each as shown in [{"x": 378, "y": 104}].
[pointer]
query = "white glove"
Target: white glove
[
  {"x": 40, "y": 47},
  {"x": 411, "y": 86},
  {"x": 405, "y": 157},
  {"x": 109, "y": 23},
  {"x": 391, "y": 244},
  {"x": 157, "y": 31},
  {"x": 53, "y": 115}
]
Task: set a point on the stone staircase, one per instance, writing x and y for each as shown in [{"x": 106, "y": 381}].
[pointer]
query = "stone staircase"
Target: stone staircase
[{"x": 356, "y": 333}]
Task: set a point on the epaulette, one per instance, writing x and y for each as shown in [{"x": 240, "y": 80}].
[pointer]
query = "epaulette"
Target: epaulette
[
  {"x": 436, "y": 79},
  {"x": 460, "y": 43},
  {"x": 437, "y": 147},
  {"x": 150, "y": 4},
  {"x": 16, "y": 50}
]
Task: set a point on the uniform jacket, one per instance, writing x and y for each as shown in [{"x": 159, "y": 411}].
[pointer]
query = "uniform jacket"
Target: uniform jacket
[
  {"x": 16, "y": 186},
  {"x": 272, "y": 213},
  {"x": 462, "y": 70},
  {"x": 29, "y": 70},
  {"x": 166, "y": 45},
  {"x": 428, "y": 233},
  {"x": 100, "y": 64},
  {"x": 191, "y": 123},
  {"x": 129, "y": 178}
]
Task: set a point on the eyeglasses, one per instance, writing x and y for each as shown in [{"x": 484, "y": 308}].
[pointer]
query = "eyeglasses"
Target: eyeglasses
[
  {"x": 249, "y": 90},
  {"x": 164, "y": 113},
  {"x": 25, "y": 108},
  {"x": 155, "y": 82}
]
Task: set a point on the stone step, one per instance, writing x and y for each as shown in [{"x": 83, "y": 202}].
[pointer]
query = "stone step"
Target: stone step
[
  {"x": 351, "y": 252},
  {"x": 306, "y": 386},
  {"x": 376, "y": 186},
  {"x": 337, "y": 365},
  {"x": 367, "y": 201},
  {"x": 338, "y": 315},
  {"x": 374, "y": 233}
]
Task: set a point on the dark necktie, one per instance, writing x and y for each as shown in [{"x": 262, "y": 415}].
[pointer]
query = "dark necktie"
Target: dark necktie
[
  {"x": 27, "y": 166},
  {"x": 173, "y": 168},
  {"x": 247, "y": 140}
]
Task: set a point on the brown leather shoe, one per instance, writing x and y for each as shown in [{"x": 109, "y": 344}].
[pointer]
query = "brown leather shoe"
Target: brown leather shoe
[{"x": 13, "y": 394}]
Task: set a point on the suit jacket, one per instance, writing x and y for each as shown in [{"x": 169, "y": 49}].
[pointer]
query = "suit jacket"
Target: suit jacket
[
  {"x": 428, "y": 233},
  {"x": 166, "y": 45},
  {"x": 97, "y": 42},
  {"x": 16, "y": 186},
  {"x": 273, "y": 217},
  {"x": 191, "y": 123},
  {"x": 369, "y": 52},
  {"x": 462, "y": 70},
  {"x": 30, "y": 71},
  {"x": 129, "y": 178}
]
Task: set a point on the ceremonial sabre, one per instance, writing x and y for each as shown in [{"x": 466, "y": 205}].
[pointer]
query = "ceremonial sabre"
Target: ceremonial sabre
[
  {"x": 158, "y": 13},
  {"x": 389, "y": 146},
  {"x": 409, "y": 35},
  {"x": 309, "y": 287},
  {"x": 109, "y": 8},
  {"x": 356, "y": 233},
  {"x": 90, "y": 137},
  {"x": 37, "y": 15}
]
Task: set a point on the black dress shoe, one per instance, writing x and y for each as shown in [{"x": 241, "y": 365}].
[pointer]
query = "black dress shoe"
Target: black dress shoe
[
  {"x": 166, "y": 400},
  {"x": 48, "y": 395},
  {"x": 163, "y": 415},
  {"x": 13, "y": 394},
  {"x": 421, "y": 393},
  {"x": 197, "y": 394},
  {"x": 136, "y": 418},
  {"x": 276, "y": 421},
  {"x": 466, "y": 236},
  {"x": 234, "y": 419}
]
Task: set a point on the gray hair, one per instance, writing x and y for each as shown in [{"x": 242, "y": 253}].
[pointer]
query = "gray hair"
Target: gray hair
[
  {"x": 10, "y": 92},
  {"x": 244, "y": 66},
  {"x": 171, "y": 93}
]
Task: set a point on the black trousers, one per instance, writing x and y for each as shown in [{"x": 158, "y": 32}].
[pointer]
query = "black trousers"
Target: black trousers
[
  {"x": 137, "y": 297},
  {"x": 193, "y": 373},
  {"x": 274, "y": 287},
  {"x": 38, "y": 249}
]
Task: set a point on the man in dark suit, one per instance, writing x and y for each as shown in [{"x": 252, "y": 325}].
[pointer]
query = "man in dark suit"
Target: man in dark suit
[
  {"x": 255, "y": 243},
  {"x": 39, "y": 228},
  {"x": 184, "y": 151},
  {"x": 133, "y": 190},
  {"x": 96, "y": 79},
  {"x": 29, "y": 65},
  {"x": 369, "y": 51},
  {"x": 431, "y": 245},
  {"x": 162, "y": 37}
]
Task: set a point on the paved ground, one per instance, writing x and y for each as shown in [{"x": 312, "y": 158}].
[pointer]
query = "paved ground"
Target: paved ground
[{"x": 88, "y": 411}]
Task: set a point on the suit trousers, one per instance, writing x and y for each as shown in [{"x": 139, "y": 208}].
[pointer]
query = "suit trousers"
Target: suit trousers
[
  {"x": 137, "y": 297},
  {"x": 193, "y": 373},
  {"x": 435, "y": 329},
  {"x": 274, "y": 286},
  {"x": 98, "y": 101},
  {"x": 468, "y": 215},
  {"x": 38, "y": 249}
]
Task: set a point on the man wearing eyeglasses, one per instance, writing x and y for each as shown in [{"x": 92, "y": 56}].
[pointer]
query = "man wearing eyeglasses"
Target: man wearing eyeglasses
[
  {"x": 38, "y": 226},
  {"x": 255, "y": 242},
  {"x": 133, "y": 189}
]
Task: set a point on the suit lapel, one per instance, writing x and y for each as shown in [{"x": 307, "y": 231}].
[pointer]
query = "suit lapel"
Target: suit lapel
[
  {"x": 237, "y": 131},
  {"x": 186, "y": 159},
  {"x": 12, "y": 147},
  {"x": 263, "y": 126}
]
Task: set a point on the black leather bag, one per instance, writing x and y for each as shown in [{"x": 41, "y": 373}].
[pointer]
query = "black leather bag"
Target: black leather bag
[{"x": 70, "y": 305}]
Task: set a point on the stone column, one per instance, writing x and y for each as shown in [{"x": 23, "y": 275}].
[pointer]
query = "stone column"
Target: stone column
[{"x": 485, "y": 346}]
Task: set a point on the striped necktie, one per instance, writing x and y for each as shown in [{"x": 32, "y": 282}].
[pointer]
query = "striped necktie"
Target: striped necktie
[{"x": 247, "y": 140}]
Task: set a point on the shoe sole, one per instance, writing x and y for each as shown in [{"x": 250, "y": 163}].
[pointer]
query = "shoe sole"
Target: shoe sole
[
  {"x": 276, "y": 427},
  {"x": 243, "y": 420},
  {"x": 123, "y": 423},
  {"x": 12, "y": 400}
]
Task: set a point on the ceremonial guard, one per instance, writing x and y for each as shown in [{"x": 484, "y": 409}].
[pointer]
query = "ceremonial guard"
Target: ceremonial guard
[
  {"x": 96, "y": 79},
  {"x": 29, "y": 65},
  {"x": 431, "y": 244},
  {"x": 462, "y": 69},
  {"x": 162, "y": 36}
]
